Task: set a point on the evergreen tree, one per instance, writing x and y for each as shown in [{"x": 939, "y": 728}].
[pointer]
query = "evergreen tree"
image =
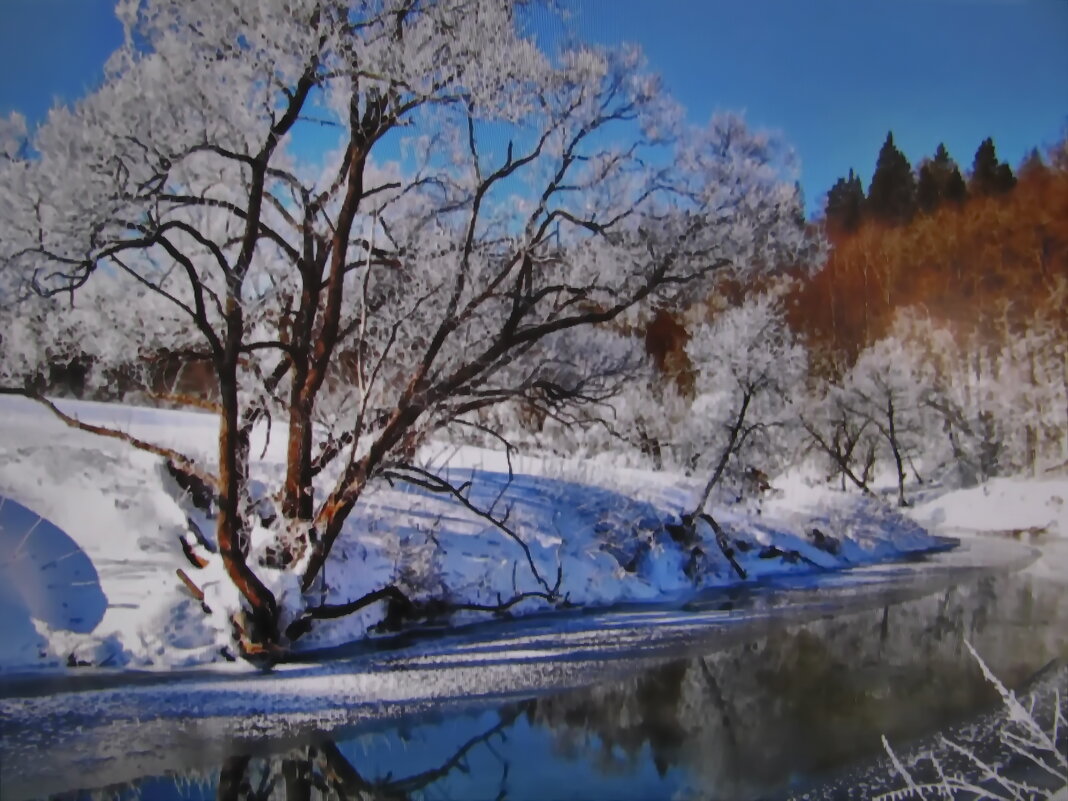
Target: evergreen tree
[
  {"x": 892, "y": 194},
  {"x": 928, "y": 191},
  {"x": 1005, "y": 180},
  {"x": 845, "y": 203},
  {"x": 956, "y": 189},
  {"x": 939, "y": 182},
  {"x": 984, "y": 167},
  {"x": 989, "y": 176}
]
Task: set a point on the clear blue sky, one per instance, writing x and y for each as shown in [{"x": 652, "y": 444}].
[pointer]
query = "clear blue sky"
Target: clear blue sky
[{"x": 832, "y": 75}]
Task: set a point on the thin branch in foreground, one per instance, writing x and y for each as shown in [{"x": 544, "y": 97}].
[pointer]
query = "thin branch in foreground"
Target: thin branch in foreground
[{"x": 1017, "y": 730}]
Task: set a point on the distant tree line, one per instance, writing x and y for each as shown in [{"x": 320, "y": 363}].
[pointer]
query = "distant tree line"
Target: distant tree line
[
  {"x": 897, "y": 193},
  {"x": 931, "y": 343},
  {"x": 986, "y": 252}
]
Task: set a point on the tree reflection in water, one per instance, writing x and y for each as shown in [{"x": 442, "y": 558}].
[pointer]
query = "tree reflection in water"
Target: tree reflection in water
[
  {"x": 322, "y": 771},
  {"x": 807, "y": 700},
  {"x": 799, "y": 704}
]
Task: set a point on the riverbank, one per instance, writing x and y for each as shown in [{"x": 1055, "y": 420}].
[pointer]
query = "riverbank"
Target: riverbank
[
  {"x": 93, "y": 532},
  {"x": 1030, "y": 510}
]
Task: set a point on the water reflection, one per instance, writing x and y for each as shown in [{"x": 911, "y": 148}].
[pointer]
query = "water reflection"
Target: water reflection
[
  {"x": 750, "y": 720},
  {"x": 763, "y": 718},
  {"x": 324, "y": 771}
]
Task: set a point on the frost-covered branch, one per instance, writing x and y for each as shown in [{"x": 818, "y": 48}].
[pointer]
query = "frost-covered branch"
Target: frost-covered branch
[
  {"x": 363, "y": 300},
  {"x": 1019, "y": 733}
]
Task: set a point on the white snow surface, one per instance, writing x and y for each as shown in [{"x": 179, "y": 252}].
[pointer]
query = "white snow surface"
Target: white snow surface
[
  {"x": 1036, "y": 507},
  {"x": 1029, "y": 509},
  {"x": 599, "y": 526}
]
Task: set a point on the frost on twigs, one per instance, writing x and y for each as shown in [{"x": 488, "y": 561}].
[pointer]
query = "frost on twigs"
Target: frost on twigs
[
  {"x": 749, "y": 366},
  {"x": 487, "y": 206},
  {"x": 1033, "y": 761}
]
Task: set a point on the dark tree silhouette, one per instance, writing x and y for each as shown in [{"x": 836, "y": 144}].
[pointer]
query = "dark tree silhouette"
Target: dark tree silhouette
[
  {"x": 892, "y": 194},
  {"x": 989, "y": 176},
  {"x": 845, "y": 204},
  {"x": 939, "y": 182}
]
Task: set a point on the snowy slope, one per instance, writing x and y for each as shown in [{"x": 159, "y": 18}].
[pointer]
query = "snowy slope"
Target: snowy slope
[
  {"x": 600, "y": 529},
  {"x": 1032, "y": 510}
]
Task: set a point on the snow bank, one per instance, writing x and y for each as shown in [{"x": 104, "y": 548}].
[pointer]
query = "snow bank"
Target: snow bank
[
  {"x": 1019, "y": 506},
  {"x": 600, "y": 531},
  {"x": 1031, "y": 510}
]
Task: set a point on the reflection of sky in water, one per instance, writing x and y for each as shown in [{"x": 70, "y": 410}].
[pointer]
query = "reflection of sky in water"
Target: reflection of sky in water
[
  {"x": 537, "y": 768},
  {"x": 528, "y": 763}
]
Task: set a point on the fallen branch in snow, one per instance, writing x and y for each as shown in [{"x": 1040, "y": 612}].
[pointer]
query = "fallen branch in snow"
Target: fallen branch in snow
[
  {"x": 402, "y": 609},
  {"x": 775, "y": 552},
  {"x": 423, "y": 478},
  {"x": 191, "y": 551},
  {"x": 399, "y": 606},
  {"x": 502, "y": 606},
  {"x": 329, "y": 611},
  {"x": 179, "y": 461},
  {"x": 194, "y": 590},
  {"x": 201, "y": 489}
]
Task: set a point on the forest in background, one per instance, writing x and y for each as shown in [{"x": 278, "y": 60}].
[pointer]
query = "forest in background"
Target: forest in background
[
  {"x": 934, "y": 335},
  {"x": 987, "y": 256}
]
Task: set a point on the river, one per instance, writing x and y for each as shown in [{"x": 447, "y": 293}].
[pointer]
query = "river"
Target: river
[{"x": 771, "y": 691}]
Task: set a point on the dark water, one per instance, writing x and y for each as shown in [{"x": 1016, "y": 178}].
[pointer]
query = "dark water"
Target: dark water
[{"x": 773, "y": 693}]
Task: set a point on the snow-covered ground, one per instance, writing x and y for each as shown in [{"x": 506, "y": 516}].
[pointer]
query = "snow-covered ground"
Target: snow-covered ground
[
  {"x": 1029, "y": 510},
  {"x": 107, "y": 542}
]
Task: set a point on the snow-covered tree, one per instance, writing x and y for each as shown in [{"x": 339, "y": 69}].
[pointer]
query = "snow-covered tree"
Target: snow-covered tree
[
  {"x": 47, "y": 336},
  {"x": 749, "y": 366},
  {"x": 882, "y": 390},
  {"x": 994, "y": 405},
  {"x": 879, "y": 412},
  {"x": 486, "y": 203},
  {"x": 845, "y": 441}
]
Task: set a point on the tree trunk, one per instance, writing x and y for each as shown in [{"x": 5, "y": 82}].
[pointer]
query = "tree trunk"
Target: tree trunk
[
  {"x": 328, "y": 525},
  {"x": 231, "y": 530},
  {"x": 298, "y": 499},
  {"x": 315, "y": 346},
  {"x": 727, "y": 452},
  {"x": 891, "y": 429}
]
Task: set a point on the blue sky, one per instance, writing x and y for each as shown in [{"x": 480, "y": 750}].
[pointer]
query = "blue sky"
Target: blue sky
[{"x": 832, "y": 75}]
